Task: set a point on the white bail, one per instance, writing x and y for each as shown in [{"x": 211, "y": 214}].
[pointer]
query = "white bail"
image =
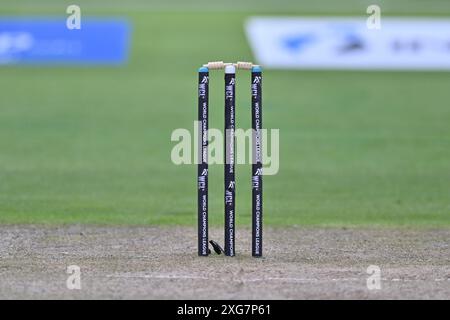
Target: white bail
[{"x": 230, "y": 69}]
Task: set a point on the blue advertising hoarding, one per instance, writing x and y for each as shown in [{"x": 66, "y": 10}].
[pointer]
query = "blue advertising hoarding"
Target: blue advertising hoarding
[{"x": 48, "y": 41}]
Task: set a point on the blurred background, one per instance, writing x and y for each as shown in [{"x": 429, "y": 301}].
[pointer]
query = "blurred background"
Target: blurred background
[{"x": 90, "y": 143}]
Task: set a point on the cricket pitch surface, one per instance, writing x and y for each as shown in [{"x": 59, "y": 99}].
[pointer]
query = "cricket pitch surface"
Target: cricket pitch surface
[{"x": 162, "y": 263}]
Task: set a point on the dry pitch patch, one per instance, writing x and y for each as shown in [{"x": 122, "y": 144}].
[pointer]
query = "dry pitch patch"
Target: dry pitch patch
[{"x": 161, "y": 263}]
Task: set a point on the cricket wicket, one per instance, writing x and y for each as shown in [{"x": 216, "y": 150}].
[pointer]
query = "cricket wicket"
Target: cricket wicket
[{"x": 229, "y": 154}]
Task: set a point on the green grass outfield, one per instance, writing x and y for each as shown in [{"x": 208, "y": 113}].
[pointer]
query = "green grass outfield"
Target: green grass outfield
[{"x": 92, "y": 145}]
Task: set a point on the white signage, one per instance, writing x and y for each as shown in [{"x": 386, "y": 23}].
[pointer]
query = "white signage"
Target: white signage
[{"x": 347, "y": 43}]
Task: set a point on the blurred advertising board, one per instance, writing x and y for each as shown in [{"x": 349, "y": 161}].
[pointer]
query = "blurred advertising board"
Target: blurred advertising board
[
  {"x": 348, "y": 43},
  {"x": 47, "y": 41}
]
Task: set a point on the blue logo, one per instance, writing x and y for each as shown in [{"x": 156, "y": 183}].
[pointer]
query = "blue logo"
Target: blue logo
[{"x": 296, "y": 43}]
